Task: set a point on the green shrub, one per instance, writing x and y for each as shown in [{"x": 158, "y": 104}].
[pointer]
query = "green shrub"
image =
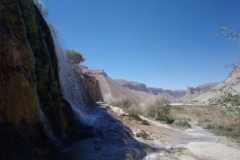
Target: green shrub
[
  {"x": 125, "y": 103},
  {"x": 182, "y": 123},
  {"x": 144, "y": 122},
  {"x": 159, "y": 110},
  {"x": 134, "y": 117},
  {"x": 74, "y": 56}
]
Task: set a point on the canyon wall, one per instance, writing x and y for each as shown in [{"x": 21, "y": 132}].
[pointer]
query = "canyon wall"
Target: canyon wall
[{"x": 35, "y": 120}]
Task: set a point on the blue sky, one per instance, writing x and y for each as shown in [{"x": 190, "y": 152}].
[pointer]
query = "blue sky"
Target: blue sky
[{"x": 162, "y": 43}]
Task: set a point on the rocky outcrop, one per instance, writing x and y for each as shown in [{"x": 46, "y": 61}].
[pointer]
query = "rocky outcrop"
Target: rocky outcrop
[
  {"x": 33, "y": 113},
  {"x": 86, "y": 71},
  {"x": 91, "y": 84},
  {"x": 174, "y": 93},
  {"x": 221, "y": 92},
  {"x": 116, "y": 90},
  {"x": 202, "y": 88},
  {"x": 156, "y": 91},
  {"x": 193, "y": 92},
  {"x": 132, "y": 85}
]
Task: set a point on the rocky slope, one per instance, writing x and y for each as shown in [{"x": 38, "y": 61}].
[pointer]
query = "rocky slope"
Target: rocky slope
[
  {"x": 114, "y": 90},
  {"x": 228, "y": 87},
  {"x": 91, "y": 84},
  {"x": 35, "y": 120},
  {"x": 193, "y": 92},
  {"x": 156, "y": 91}
]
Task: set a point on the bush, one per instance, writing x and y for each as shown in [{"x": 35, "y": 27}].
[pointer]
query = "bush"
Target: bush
[
  {"x": 124, "y": 103},
  {"x": 144, "y": 122},
  {"x": 182, "y": 123},
  {"x": 159, "y": 110},
  {"x": 74, "y": 56},
  {"x": 134, "y": 117}
]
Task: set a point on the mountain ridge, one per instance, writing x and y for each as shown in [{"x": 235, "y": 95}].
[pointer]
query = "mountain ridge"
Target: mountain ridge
[{"x": 116, "y": 89}]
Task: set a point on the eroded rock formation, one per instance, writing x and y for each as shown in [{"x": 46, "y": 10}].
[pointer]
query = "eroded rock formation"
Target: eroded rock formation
[
  {"x": 33, "y": 112},
  {"x": 132, "y": 85},
  {"x": 193, "y": 92},
  {"x": 91, "y": 84}
]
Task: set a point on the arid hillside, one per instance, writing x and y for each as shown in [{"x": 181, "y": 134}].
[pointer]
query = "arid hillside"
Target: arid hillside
[
  {"x": 225, "y": 92},
  {"x": 114, "y": 90}
]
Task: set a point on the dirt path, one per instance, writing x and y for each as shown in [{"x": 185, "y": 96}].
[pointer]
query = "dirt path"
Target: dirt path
[{"x": 189, "y": 144}]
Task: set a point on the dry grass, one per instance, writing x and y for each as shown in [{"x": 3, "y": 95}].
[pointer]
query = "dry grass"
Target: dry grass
[
  {"x": 220, "y": 121},
  {"x": 225, "y": 122}
]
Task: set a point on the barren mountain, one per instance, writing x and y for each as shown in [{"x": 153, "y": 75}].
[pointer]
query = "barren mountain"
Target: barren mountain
[
  {"x": 155, "y": 91},
  {"x": 193, "y": 92},
  {"x": 229, "y": 86},
  {"x": 114, "y": 90}
]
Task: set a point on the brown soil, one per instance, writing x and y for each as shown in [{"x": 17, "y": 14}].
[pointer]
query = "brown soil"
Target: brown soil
[{"x": 187, "y": 144}]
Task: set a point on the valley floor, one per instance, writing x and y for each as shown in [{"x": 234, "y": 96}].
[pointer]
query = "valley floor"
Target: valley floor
[
  {"x": 188, "y": 144},
  {"x": 117, "y": 137}
]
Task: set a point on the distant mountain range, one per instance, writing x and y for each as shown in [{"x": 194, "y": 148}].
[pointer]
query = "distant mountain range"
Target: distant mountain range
[{"x": 114, "y": 90}]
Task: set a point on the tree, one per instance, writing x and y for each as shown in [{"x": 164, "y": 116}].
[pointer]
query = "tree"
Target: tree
[
  {"x": 74, "y": 56},
  {"x": 231, "y": 34}
]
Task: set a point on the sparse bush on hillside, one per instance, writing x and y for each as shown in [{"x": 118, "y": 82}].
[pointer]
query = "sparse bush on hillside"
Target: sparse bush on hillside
[
  {"x": 124, "y": 103},
  {"x": 128, "y": 105},
  {"x": 225, "y": 122},
  {"x": 233, "y": 100},
  {"x": 182, "y": 123},
  {"x": 132, "y": 107},
  {"x": 74, "y": 56},
  {"x": 160, "y": 111}
]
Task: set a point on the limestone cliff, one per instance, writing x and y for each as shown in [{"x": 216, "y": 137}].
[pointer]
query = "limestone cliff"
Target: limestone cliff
[
  {"x": 32, "y": 109},
  {"x": 151, "y": 90},
  {"x": 193, "y": 92},
  {"x": 91, "y": 84},
  {"x": 229, "y": 86},
  {"x": 132, "y": 85}
]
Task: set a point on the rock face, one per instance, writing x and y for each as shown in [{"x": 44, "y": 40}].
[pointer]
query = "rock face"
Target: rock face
[
  {"x": 193, "y": 92},
  {"x": 202, "y": 88},
  {"x": 230, "y": 85},
  {"x": 91, "y": 84},
  {"x": 32, "y": 108},
  {"x": 132, "y": 85},
  {"x": 115, "y": 90},
  {"x": 174, "y": 93},
  {"x": 156, "y": 91}
]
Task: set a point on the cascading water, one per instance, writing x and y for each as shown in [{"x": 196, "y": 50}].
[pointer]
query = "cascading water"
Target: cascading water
[
  {"x": 109, "y": 139},
  {"x": 72, "y": 89}
]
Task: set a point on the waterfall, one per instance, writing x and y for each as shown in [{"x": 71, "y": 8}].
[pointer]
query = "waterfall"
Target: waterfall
[{"x": 72, "y": 89}]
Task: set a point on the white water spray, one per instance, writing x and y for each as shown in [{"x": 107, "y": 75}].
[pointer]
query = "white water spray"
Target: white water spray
[
  {"x": 41, "y": 7},
  {"x": 72, "y": 89}
]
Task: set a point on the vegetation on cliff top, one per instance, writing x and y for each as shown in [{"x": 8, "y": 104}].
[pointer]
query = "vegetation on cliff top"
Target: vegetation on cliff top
[{"x": 74, "y": 56}]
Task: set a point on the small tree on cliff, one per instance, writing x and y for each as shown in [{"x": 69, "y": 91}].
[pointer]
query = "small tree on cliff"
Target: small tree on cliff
[{"x": 74, "y": 56}]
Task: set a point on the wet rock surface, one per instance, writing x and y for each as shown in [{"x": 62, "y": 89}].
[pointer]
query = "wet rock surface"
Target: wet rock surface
[
  {"x": 110, "y": 141},
  {"x": 34, "y": 118}
]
